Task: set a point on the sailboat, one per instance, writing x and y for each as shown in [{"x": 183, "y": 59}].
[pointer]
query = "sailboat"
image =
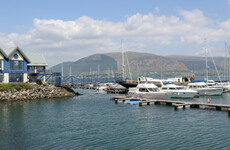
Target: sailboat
[
  {"x": 202, "y": 87},
  {"x": 124, "y": 82},
  {"x": 226, "y": 83}
]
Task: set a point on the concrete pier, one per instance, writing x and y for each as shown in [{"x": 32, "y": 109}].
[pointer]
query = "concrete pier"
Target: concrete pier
[{"x": 176, "y": 104}]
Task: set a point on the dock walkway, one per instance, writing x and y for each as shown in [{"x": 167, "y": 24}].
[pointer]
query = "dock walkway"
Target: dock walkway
[{"x": 176, "y": 104}]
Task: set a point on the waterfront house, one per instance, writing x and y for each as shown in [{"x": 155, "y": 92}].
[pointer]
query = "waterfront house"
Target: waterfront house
[
  {"x": 17, "y": 66},
  {"x": 37, "y": 66}
]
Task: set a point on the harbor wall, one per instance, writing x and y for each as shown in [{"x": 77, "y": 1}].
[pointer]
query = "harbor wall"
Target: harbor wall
[{"x": 36, "y": 92}]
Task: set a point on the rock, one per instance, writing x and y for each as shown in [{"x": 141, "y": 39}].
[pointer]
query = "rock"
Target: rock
[{"x": 37, "y": 92}]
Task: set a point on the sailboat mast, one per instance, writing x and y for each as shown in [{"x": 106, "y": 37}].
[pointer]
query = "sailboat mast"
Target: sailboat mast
[
  {"x": 225, "y": 63},
  {"x": 206, "y": 60},
  {"x": 98, "y": 72},
  {"x": 62, "y": 69},
  {"x": 70, "y": 71},
  {"x": 228, "y": 63},
  {"x": 123, "y": 60}
]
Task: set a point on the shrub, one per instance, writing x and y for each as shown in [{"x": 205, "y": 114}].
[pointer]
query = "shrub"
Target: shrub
[
  {"x": 38, "y": 81},
  {"x": 17, "y": 86}
]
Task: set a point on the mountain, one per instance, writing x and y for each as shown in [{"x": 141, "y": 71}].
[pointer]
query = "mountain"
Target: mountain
[
  {"x": 93, "y": 62},
  {"x": 148, "y": 62},
  {"x": 198, "y": 63},
  {"x": 138, "y": 62}
]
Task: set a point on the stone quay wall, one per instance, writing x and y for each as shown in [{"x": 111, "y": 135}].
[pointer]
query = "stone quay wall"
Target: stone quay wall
[{"x": 37, "y": 92}]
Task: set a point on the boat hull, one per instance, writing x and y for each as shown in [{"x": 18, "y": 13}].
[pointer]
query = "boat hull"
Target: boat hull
[
  {"x": 155, "y": 95},
  {"x": 184, "y": 94},
  {"x": 210, "y": 91},
  {"x": 128, "y": 84}
]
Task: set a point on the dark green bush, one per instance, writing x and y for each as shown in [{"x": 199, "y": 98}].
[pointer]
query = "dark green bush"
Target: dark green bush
[{"x": 38, "y": 81}]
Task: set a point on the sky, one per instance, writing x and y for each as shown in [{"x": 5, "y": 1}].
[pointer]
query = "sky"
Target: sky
[{"x": 67, "y": 30}]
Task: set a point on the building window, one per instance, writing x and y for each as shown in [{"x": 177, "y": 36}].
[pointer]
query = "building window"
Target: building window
[
  {"x": 16, "y": 77},
  {"x": 31, "y": 69},
  {"x": 15, "y": 56},
  {"x": 1, "y": 77},
  {"x": 1, "y": 64},
  {"x": 40, "y": 69},
  {"x": 16, "y": 65}
]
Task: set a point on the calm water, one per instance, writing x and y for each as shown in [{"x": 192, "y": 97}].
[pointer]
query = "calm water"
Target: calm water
[{"x": 92, "y": 121}]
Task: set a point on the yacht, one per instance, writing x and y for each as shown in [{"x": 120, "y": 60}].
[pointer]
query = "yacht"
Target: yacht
[
  {"x": 116, "y": 88},
  {"x": 178, "y": 91},
  {"x": 202, "y": 88},
  {"x": 101, "y": 87},
  {"x": 226, "y": 86},
  {"x": 145, "y": 89}
]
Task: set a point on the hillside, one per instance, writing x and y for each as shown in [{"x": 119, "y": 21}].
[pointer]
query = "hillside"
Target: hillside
[
  {"x": 138, "y": 62},
  {"x": 93, "y": 63},
  {"x": 198, "y": 63},
  {"x": 149, "y": 62}
]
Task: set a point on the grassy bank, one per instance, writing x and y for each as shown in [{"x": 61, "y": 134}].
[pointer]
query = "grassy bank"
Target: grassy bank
[{"x": 17, "y": 86}]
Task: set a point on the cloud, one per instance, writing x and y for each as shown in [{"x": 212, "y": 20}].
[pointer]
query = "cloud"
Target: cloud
[
  {"x": 62, "y": 40},
  {"x": 228, "y": 2},
  {"x": 157, "y": 10},
  {"x": 195, "y": 17}
]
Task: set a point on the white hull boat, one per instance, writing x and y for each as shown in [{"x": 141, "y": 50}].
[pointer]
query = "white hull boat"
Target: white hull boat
[
  {"x": 203, "y": 89},
  {"x": 148, "y": 90},
  {"x": 178, "y": 91}
]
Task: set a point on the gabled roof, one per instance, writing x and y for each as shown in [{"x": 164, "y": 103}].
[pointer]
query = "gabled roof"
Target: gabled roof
[
  {"x": 3, "y": 53},
  {"x": 36, "y": 60},
  {"x": 32, "y": 59},
  {"x": 7, "y": 52}
]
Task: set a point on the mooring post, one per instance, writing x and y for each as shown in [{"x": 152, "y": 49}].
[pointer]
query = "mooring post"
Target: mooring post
[
  {"x": 229, "y": 112},
  {"x": 168, "y": 103},
  {"x": 218, "y": 108},
  {"x": 175, "y": 107},
  {"x": 140, "y": 103}
]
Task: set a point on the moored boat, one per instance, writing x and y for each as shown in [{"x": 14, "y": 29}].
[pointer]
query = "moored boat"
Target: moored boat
[
  {"x": 128, "y": 83},
  {"x": 148, "y": 90},
  {"x": 178, "y": 91},
  {"x": 202, "y": 89}
]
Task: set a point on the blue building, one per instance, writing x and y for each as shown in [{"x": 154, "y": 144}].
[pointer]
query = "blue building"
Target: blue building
[{"x": 17, "y": 66}]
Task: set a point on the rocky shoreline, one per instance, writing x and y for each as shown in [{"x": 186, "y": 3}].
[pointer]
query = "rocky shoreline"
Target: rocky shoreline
[{"x": 37, "y": 92}]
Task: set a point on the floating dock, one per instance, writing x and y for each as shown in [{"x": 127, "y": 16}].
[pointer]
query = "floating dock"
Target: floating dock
[{"x": 176, "y": 104}]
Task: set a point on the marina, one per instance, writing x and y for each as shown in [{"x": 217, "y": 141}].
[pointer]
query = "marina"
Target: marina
[
  {"x": 93, "y": 121},
  {"x": 115, "y": 75}
]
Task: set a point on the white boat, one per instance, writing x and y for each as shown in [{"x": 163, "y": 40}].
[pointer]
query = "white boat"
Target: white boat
[
  {"x": 226, "y": 86},
  {"x": 178, "y": 91},
  {"x": 203, "y": 89},
  {"x": 157, "y": 82},
  {"x": 101, "y": 87},
  {"x": 116, "y": 88},
  {"x": 148, "y": 90}
]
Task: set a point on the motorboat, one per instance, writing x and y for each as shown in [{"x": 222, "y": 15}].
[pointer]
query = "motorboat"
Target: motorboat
[
  {"x": 226, "y": 86},
  {"x": 145, "y": 89},
  {"x": 101, "y": 87},
  {"x": 116, "y": 89},
  {"x": 203, "y": 89},
  {"x": 178, "y": 91}
]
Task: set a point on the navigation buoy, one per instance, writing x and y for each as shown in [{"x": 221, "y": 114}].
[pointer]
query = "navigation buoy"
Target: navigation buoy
[{"x": 209, "y": 100}]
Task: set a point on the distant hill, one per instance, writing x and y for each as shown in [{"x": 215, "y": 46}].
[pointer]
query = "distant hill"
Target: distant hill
[
  {"x": 138, "y": 62},
  {"x": 148, "y": 62},
  {"x": 93, "y": 63},
  {"x": 198, "y": 63}
]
